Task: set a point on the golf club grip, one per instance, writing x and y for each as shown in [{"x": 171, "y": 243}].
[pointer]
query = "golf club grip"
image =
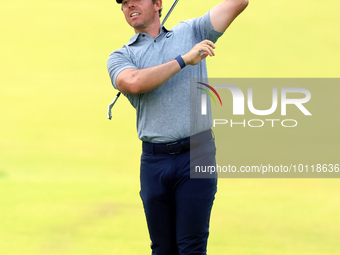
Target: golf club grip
[{"x": 118, "y": 94}]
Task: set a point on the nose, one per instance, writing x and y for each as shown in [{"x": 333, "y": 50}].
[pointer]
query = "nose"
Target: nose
[{"x": 131, "y": 3}]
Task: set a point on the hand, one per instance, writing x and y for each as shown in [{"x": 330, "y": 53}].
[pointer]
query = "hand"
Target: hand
[{"x": 195, "y": 55}]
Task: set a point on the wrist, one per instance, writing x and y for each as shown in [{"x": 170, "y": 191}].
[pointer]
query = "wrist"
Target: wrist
[
  {"x": 180, "y": 61},
  {"x": 184, "y": 57}
]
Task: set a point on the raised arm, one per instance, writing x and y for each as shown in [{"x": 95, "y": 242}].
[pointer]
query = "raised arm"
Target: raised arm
[{"x": 223, "y": 14}]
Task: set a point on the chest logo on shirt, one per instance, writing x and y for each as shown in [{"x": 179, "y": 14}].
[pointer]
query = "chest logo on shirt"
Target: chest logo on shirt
[{"x": 168, "y": 35}]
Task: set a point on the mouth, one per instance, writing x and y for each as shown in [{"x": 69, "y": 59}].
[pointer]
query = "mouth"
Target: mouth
[{"x": 134, "y": 14}]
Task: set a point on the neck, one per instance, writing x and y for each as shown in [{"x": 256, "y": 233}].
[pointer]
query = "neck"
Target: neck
[{"x": 152, "y": 30}]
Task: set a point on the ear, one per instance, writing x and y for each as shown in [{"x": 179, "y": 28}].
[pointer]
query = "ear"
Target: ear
[{"x": 158, "y": 5}]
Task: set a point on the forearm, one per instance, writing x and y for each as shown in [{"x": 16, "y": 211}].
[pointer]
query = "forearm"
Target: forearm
[
  {"x": 144, "y": 80},
  {"x": 133, "y": 81}
]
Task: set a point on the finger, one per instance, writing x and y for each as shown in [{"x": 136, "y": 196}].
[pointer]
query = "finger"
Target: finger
[
  {"x": 210, "y": 43},
  {"x": 212, "y": 51},
  {"x": 204, "y": 55},
  {"x": 207, "y": 49}
]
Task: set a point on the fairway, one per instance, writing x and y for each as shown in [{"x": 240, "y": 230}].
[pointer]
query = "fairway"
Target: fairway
[{"x": 69, "y": 177}]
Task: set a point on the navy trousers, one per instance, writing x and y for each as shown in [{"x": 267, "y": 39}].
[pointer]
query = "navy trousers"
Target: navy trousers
[{"x": 177, "y": 207}]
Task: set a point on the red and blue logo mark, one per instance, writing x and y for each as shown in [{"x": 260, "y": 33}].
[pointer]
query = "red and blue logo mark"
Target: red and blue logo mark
[{"x": 209, "y": 93}]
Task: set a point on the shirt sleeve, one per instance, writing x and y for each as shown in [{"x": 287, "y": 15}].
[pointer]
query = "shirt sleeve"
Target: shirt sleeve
[
  {"x": 203, "y": 29},
  {"x": 117, "y": 62}
]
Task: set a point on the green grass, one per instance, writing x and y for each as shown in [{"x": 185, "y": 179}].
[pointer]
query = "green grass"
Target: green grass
[{"x": 69, "y": 178}]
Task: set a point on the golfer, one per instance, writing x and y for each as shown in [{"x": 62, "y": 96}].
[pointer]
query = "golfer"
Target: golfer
[{"x": 153, "y": 71}]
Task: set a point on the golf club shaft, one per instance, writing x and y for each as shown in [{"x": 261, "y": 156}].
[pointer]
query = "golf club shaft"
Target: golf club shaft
[
  {"x": 109, "y": 116},
  {"x": 169, "y": 12}
]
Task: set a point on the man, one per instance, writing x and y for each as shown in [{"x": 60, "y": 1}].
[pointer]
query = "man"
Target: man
[{"x": 153, "y": 71}]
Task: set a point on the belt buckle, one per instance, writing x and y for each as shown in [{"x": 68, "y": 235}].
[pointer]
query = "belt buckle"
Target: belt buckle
[{"x": 175, "y": 152}]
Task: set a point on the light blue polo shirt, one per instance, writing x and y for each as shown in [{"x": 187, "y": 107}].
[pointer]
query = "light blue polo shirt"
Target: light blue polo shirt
[{"x": 163, "y": 114}]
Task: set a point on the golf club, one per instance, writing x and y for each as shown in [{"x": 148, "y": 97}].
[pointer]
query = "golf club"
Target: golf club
[{"x": 109, "y": 115}]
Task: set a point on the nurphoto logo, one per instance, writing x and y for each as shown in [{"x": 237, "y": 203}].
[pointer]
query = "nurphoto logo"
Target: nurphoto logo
[
  {"x": 204, "y": 97},
  {"x": 238, "y": 107}
]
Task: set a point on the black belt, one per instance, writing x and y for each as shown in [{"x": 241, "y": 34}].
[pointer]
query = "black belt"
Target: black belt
[{"x": 179, "y": 146}]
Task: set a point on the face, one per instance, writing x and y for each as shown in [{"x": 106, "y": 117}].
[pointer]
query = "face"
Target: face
[{"x": 140, "y": 13}]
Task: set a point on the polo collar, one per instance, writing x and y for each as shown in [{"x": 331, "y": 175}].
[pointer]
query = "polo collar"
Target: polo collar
[{"x": 134, "y": 38}]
